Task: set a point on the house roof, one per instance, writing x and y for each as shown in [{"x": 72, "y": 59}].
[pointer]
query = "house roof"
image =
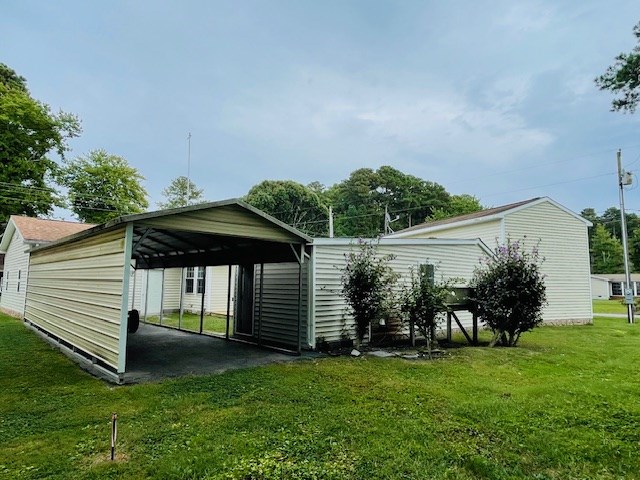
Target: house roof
[
  {"x": 39, "y": 230},
  {"x": 617, "y": 277},
  {"x": 482, "y": 216}
]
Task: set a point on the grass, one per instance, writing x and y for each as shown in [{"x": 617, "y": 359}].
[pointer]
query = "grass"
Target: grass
[
  {"x": 608, "y": 306},
  {"x": 563, "y": 405},
  {"x": 190, "y": 321}
]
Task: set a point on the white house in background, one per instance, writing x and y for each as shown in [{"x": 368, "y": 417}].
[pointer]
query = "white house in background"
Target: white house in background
[
  {"x": 559, "y": 234},
  {"x": 19, "y": 236},
  {"x": 169, "y": 289},
  {"x": 612, "y": 285}
]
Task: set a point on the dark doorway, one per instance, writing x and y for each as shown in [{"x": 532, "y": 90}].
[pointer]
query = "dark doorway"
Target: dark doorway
[{"x": 244, "y": 300}]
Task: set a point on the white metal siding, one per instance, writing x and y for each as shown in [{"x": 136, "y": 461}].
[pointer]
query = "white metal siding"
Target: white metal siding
[
  {"x": 565, "y": 248},
  {"x": 280, "y": 304},
  {"x": 75, "y": 292},
  {"x": 13, "y": 289},
  {"x": 332, "y": 320}
]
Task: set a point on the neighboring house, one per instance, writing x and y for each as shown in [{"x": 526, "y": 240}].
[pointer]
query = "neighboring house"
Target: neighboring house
[
  {"x": 166, "y": 290},
  {"x": 558, "y": 233},
  {"x": 22, "y": 233},
  {"x": 605, "y": 285}
]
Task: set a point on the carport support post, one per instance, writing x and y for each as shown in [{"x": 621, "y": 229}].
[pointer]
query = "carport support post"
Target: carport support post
[
  {"x": 146, "y": 296},
  {"x": 181, "y": 298},
  {"x": 122, "y": 340},
  {"x": 228, "y": 302},
  {"x": 162, "y": 298},
  {"x": 204, "y": 289}
]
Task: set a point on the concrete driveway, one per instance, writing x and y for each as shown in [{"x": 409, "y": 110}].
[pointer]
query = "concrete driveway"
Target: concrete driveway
[{"x": 154, "y": 353}]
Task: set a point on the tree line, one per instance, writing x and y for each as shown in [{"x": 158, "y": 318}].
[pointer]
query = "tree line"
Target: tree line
[{"x": 605, "y": 240}]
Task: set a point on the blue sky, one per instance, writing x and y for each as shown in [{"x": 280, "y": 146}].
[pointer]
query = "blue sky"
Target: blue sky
[{"x": 494, "y": 99}]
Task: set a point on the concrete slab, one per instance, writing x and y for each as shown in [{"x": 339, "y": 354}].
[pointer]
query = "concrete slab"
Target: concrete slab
[{"x": 154, "y": 353}]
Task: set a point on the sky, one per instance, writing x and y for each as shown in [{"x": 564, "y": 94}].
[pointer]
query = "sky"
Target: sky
[{"x": 494, "y": 99}]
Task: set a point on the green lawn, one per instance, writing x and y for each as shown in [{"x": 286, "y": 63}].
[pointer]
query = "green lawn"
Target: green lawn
[
  {"x": 190, "y": 321},
  {"x": 608, "y": 306},
  {"x": 563, "y": 405}
]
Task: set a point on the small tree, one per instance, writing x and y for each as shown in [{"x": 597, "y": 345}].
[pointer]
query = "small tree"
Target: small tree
[
  {"x": 510, "y": 292},
  {"x": 180, "y": 193},
  {"x": 424, "y": 302},
  {"x": 367, "y": 285}
]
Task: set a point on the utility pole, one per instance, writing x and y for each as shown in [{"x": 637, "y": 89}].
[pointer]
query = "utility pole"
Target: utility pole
[
  {"x": 188, "y": 170},
  {"x": 330, "y": 221},
  {"x": 625, "y": 178}
]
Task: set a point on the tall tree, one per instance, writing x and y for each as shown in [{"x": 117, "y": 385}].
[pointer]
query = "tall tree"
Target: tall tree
[
  {"x": 623, "y": 78},
  {"x": 634, "y": 249},
  {"x": 606, "y": 252},
  {"x": 29, "y": 131},
  {"x": 360, "y": 201},
  {"x": 103, "y": 186},
  {"x": 181, "y": 192},
  {"x": 291, "y": 203}
]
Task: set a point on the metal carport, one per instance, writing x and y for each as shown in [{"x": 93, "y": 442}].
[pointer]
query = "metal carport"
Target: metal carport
[{"x": 78, "y": 287}]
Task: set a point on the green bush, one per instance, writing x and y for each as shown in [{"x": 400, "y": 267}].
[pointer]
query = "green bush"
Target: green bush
[
  {"x": 510, "y": 292},
  {"x": 367, "y": 285},
  {"x": 424, "y": 302}
]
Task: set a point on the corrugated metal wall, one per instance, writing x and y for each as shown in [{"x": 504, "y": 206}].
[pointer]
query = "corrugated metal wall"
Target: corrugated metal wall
[
  {"x": 14, "y": 282},
  {"x": 280, "y": 304},
  {"x": 75, "y": 292}
]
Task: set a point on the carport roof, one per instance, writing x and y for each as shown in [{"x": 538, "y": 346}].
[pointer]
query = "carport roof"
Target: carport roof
[{"x": 216, "y": 233}]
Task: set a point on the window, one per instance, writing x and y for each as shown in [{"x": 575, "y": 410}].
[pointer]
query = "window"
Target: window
[
  {"x": 616, "y": 288},
  {"x": 188, "y": 283},
  {"x": 201, "y": 279}
]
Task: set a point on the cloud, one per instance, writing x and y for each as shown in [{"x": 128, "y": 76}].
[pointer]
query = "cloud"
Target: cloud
[
  {"x": 523, "y": 17},
  {"x": 346, "y": 118}
]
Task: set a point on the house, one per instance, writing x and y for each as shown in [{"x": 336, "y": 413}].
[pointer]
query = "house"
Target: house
[
  {"x": 163, "y": 291},
  {"x": 22, "y": 233},
  {"x": 612, "y": 285},
  {"x": 559, "y": 234}
]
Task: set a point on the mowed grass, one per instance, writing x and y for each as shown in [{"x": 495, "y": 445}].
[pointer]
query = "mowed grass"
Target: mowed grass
[
  {"x": 608, "y": 306},
  {"x": 565, "y": 404},
  {"x": 190, "y": 321}
]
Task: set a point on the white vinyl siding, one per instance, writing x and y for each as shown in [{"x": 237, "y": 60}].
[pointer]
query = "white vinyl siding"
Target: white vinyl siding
[
  {"x": 489, "y": 232},
  {"x": 600, "y": 288},
  {"x": 16, "y": 262},
  {"x": 565, "y": 249},
  {"x": 217, "y": 284},
  {"x": 332, "y": 319},
  {"x": 75, "y": 293},
  {"x": 280, "y": 304}
]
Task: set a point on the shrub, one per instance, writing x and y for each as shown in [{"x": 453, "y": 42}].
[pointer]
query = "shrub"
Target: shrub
[
  {"x": 424, "y": 302},
  {"x": 367, "y": 285},
  {"x": 510, "y": 292}
]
